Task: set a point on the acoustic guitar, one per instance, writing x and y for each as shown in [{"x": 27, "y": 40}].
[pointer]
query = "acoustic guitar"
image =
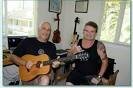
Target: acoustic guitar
[
  {"x": 75, "y": 34},
  {"x": 56, "y": 35},
  {"x": 42, "y": 64}
]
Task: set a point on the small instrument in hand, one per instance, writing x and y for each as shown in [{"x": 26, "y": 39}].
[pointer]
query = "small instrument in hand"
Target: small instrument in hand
[{"x": 75, "y": 35}]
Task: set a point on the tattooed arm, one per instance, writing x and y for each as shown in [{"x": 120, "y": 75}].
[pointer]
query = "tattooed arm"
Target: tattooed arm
[{"x": 102, "y": 53}]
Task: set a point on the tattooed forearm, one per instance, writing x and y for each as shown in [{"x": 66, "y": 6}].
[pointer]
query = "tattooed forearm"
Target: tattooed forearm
[
  {"x": 100, "y": 45},
  {"x": 101, "y": 50}
]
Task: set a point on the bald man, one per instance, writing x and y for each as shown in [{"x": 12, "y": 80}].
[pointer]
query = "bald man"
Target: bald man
[{"x": 36, "y": 46}]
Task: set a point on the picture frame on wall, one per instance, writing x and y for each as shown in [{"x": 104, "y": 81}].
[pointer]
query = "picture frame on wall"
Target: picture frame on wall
[
  {"x": 81, "y": 6},
  {"x": 55, "y": 6}
]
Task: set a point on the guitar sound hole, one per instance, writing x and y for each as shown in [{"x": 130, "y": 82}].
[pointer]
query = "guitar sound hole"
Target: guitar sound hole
[
  {"x": 38, "y": 64},
  {"x": 28, "y": 70}
]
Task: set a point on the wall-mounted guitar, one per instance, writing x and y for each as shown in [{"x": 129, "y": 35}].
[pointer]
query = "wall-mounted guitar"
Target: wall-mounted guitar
[
  {"x": 75, "y": 35},
  {"x": 56, "y": 34}
]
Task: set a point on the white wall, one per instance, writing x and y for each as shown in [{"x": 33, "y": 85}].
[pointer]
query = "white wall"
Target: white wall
[
  {"x": 122, "y": 57},
  {"x": 69, "y": 15}
]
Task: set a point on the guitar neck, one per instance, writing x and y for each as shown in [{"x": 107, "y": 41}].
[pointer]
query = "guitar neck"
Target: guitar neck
[
  {"x": 64, "y": 59},
  {"x": 74, "y": 32},
  {"x": 58, "y": 19},
  {"x": 80, "y": 55},
  {"x": 58, "y": 25},
  {"x": 69, "y": 58},
  {"x": 76, "y": 21}
]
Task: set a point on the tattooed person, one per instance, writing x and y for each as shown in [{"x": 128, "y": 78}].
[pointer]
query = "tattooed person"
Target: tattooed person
[{"x": 97, "y": 62}]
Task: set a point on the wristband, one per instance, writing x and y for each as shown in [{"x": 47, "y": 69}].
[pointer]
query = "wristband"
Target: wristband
[{"x": 99, "y": 76}]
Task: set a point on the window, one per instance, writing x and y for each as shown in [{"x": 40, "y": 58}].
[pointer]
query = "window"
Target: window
[
  {"x": 116, "y": 22},
  {"x": 20, "y": 17},
  {"x": 125, "y": 30}
]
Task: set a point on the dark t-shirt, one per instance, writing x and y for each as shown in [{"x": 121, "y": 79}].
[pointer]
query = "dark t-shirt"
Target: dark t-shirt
[
  {"x": 88, "y": 67},
  {"x": 91, "y": 66},
  {"x": 34, "y": 47}
]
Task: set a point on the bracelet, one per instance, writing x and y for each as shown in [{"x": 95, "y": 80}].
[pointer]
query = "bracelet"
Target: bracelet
[{"x": 99, "y": 76}]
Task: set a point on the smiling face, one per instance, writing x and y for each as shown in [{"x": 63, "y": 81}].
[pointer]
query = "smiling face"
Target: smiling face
[
  {"x": 44, "y": 31},
  {"x": 89, "y": 32}
]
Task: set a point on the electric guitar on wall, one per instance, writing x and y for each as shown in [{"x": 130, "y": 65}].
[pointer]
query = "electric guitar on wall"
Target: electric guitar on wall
[
  {"x": 56, "y": 34},
  {"x": 75, "y": 35},
  {"x": 42, "y": 64}
]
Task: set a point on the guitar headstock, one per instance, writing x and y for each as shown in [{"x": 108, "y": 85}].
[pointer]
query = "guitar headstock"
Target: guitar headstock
[
  {"x": 82, "y": 56},
  {"x": 57, "y": 17},
  {"x": 77, "y": 20}
]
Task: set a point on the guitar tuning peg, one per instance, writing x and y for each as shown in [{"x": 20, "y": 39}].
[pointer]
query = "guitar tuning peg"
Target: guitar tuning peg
[{"x": 58, "y": 57}]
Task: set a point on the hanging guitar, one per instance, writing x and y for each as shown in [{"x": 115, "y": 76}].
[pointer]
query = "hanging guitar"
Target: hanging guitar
[
  {"x": 75, "y": 35},
  {"x": 56, "y": 34}
]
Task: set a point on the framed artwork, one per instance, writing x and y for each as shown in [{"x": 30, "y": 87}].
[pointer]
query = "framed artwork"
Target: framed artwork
[
  {"x": 55, "y": 6},
  {"x": 81, "y": 6}
]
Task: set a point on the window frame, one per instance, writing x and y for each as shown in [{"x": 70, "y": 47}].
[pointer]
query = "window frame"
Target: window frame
[
  {"x": 5, "y": 32},
  {"x": 119, "y": 25}
]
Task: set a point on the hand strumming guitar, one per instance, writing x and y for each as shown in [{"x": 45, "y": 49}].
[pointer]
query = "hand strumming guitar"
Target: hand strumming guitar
[
  {"x": 29, "y": 64},
  {"x": 55, "y": 64}
]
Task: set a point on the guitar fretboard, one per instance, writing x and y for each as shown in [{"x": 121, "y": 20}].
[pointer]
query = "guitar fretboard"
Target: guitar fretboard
[{"x": 82, "y": 55}]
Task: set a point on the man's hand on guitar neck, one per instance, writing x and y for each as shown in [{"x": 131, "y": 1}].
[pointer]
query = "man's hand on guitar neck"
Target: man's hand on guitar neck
[{"x": 56, "y": 63}]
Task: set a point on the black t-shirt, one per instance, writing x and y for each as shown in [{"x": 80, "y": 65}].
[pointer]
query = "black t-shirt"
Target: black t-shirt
[
  {"x": 91, "y": 66},
  {"x": 34, "y": 47}
]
